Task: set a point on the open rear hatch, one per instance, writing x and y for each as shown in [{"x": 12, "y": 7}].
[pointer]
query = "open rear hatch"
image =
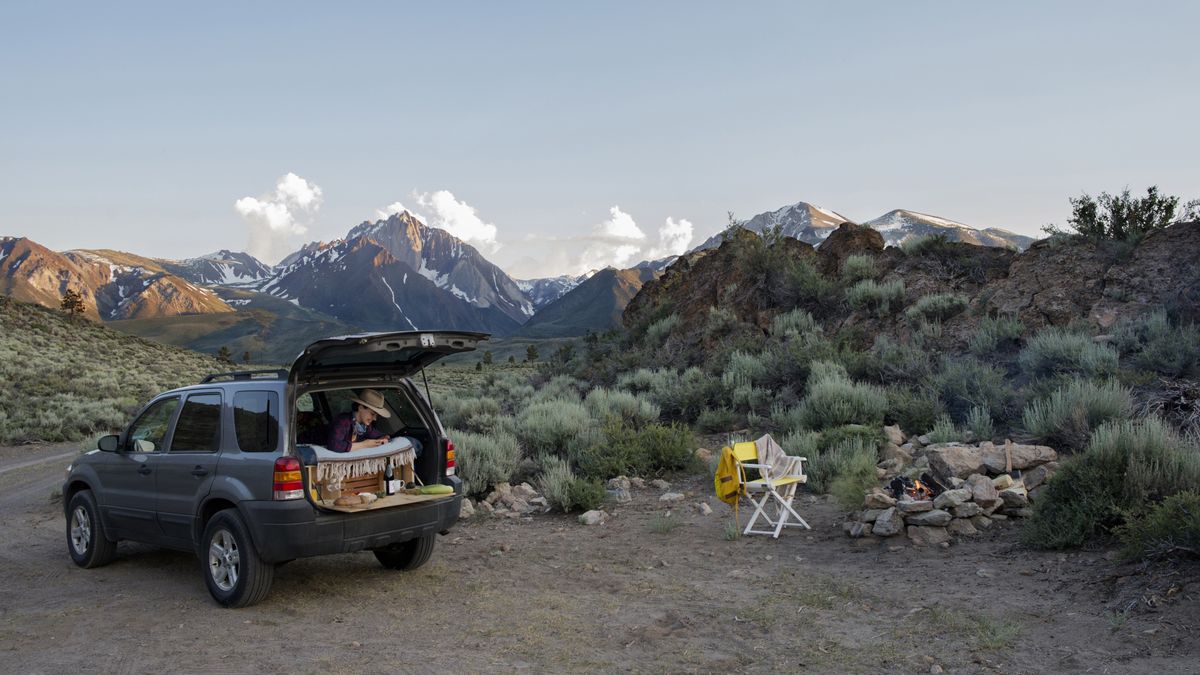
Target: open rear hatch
[
  {"x": 355, "y": 360},
  {"x": 378, "y": 355}
]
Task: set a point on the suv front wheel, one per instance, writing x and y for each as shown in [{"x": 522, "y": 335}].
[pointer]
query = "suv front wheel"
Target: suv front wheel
[
  {"x": 86, "y": 541},
  {"x": 234, "y": 573}
]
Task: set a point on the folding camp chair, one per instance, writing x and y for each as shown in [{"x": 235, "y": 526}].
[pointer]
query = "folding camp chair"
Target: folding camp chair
[{"x": 768, "y": 486}]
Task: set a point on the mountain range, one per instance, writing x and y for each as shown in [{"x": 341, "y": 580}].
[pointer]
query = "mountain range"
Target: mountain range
[{"x": 388, "y": 274}]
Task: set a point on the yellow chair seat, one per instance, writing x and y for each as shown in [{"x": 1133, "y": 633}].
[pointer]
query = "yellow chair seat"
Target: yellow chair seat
[{"x": 786, "y": 480}]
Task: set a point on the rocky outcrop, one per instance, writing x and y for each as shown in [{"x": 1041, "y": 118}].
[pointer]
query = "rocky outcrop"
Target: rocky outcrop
[{"x": 847, "y": 240}]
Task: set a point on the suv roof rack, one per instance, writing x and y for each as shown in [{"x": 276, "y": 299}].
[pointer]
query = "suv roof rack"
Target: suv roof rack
[{"x": 276, "y": 374}]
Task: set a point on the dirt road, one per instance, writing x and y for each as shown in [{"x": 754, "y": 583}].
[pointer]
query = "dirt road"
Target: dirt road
[{"x": 643, "y": 592}]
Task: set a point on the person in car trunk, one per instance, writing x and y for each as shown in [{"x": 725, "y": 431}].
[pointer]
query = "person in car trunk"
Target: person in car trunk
[{"x": 355, "y": 430}]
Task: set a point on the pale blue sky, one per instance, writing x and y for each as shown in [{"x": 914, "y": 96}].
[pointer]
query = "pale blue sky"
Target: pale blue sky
[{"x": 137, "y": 126}]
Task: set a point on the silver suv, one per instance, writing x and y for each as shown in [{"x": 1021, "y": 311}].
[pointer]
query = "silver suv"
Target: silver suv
[{"x": 228, "y": 468}]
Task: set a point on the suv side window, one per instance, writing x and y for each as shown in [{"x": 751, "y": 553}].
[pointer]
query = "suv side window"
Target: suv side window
[
  {"x": 256, "y": 420},
  {"x": 199, "y": 425},
  {"x": 147, "y": 433}
]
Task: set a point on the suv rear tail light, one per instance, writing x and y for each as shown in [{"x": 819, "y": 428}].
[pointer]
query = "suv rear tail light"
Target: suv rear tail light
[
  {"x": 287, "y": 483},
  {"x": 449, "y": 457}
]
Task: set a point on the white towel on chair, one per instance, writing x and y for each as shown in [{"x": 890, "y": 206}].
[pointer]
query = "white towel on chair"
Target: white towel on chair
[{"x": 781, "y": 463}]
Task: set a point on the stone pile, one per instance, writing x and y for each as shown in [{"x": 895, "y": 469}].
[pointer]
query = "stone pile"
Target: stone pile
[
  {"x": 986, "y": 483},
  {"x": 507, "y": 501}
]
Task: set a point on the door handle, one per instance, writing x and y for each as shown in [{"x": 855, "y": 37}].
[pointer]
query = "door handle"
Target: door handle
[
  {"x": 144, "y": 470},
  {"x": 199, "y": 471}
]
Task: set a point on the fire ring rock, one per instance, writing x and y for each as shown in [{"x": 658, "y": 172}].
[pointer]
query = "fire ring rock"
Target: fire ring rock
[{"x": 936, "y": 518}]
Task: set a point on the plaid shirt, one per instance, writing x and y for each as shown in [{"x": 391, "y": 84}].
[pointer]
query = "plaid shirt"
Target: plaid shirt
[{"x": 341, "y": 433}]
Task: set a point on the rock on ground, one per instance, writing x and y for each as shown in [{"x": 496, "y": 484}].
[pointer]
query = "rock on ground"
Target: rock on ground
[
  {"x": 593, "y": 517},
  {"x": 888, "y": 523},
  {"x": 928, "y": 536}
]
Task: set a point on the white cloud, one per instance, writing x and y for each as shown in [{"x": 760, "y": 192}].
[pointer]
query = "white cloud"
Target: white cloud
[
  {"x": 442, "y": 210},
  {"x": 278, "y": 219},
  {"x": 619, "y": 242}
]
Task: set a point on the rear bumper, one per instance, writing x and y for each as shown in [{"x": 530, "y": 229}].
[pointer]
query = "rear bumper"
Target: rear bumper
[{"x": 296, "y": 529}]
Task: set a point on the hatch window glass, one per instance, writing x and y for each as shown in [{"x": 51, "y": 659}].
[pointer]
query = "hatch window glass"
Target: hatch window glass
[
  {"x": 256, "y": 420},
  {"x": 148, "y": 432},
  {"x": 199, "y": 425}
]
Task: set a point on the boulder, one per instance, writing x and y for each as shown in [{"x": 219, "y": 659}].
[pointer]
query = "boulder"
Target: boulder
[
  {"x": 955, "y": 459},
  {"x": 981, "y": 488},
  {"x": 889, "y": 468},
  {"x": 1023, "y": 457},
  {"x": 870, "y": 515},
  {"x": 981, "y": 522},
  {"x": 671, "y": 497},
  {"x": 486, "y": 507},
  {"x": 888, "y": 523},
  {"x": 540, "y": 502},
  {"x": 704, "y": 455},
  {"x": 893, "y": 434},
  {"x": 621, "y": 495},
  {"x": 618, "y": 483},
  {"x": 928, "y": 536},
  {"x": 878, "y": 499},
  {"x": 637, "y": 483},
  {"x": 937, "y": 518},
  {"x": 1015, "y": 497},
  {"x": 951, "y": 498},
  {"x": 524, "y": 491},
  {"x": 1037, "y": 493},
  {"x": 1003, "y": 481},
  {"x": 660, "y": 484},
  {"x": 967, "y": 510},
  {"x": 520, "y": 506},
  {"x": 856, "y": 530},
  {"x": 704, "y": 509},
  {"x": 593, "y": 517},
  {"x": 1038, "y": 475},
  {"x": 907, "y": 506},
  {"x": 891, "y": 450},
  {"x": 924, "y": 440},
  {"x": 961, "y": 527},
  {"x": 467, "y": 509},
  {"x": 847, "y": 240}
]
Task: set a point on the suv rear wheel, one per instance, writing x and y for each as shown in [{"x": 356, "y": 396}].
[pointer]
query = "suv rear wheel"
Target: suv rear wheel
[
  {"x": 234, "y": 573},
  {"x": 86, "y": 541},
  {"x": 406, "y": 556}
]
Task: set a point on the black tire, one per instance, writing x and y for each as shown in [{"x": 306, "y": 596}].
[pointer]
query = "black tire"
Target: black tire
[
  {"x": 87, "y": 542},
  {"x": 407, "y": 556},
  {"x": 233, "y": 571}
]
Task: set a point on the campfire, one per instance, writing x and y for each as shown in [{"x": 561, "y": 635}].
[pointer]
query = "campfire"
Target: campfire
[{"x": 927, "y": 487}]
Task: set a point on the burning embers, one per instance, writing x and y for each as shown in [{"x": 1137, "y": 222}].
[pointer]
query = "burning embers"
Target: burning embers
[{"x": 927, "y": 487}]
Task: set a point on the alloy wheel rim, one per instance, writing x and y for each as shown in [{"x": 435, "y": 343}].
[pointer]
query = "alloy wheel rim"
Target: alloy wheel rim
[
  {"x": 224, "y": 560},
  {"x": 81, "y": 530}
]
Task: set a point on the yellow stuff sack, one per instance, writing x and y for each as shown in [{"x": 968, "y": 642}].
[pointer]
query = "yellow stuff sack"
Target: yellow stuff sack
[{"x": 729, "y": 481}]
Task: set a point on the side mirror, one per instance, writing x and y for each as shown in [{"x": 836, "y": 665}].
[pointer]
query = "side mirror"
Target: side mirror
[{"x": 109, "y": 443}]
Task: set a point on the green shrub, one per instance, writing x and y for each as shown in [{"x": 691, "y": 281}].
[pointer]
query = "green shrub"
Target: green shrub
[
  {"x": 799, "y": 283},
  {"x": 878, "y": 299},
  {"x": 915, "y": 411},
  {"x": 801, "y": 444},
  {"x": 979, "y": 422},
  {"x": 966, "y": 383},
  {"x": 943, "y": 431},
  {"x": 681, "y": 396},
  {"x": 609, "y": 406},
  {"x": 720, "y": 322},
  {"x": 718, "y": 419},
  {"x": 658, "y": 331},
  {"x": 995, "y": 335},
  {"x": 936, "y": 308},
  {"x": 1172, "y": 526},
  {"x": 786, "y": 419},
  {"x": 870, "y": 436},
  {"x": 1158, "y": 346},
  {"x": 834, "y": 401},
  {"x": 1060, "y": 351},
  {"x": 1120, "y": 217},
  {"x": 826, "y": 371},
  {"x": 1126, "y": 466},
  {"x": 458, "y": 412},
  {"x": 855, "y": 476},
  {"x": 586, "y": 495},
  {"x": 900, "y": 362},
  {"x": 561, "y": 387},
  {"x": 1067, "y": 417},
  {"x": 920, "y": 245},
  {"x": 556, "y": 482},
  {"x": 847, "y": 458},
  {"x": 651, "y": 450},
  {"x": 857, "y": 268},
  {"x": 743, "y": 369},
  {"x": 485, "y": 460},
  {"x": 794, "y": 323},
  {"x": 554, "y": 426}
]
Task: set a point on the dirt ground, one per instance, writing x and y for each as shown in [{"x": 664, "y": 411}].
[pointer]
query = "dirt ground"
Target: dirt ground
[{"x": 645, "y": 592}]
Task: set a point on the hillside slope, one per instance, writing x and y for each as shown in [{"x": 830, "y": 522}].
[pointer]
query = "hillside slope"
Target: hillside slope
[
  {"x": 595, "y": 305},
  {"x": 64, "y": 378}
]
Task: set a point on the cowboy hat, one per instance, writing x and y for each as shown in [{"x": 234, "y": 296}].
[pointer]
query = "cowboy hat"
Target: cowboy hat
[{"x": 373, "y": 400}]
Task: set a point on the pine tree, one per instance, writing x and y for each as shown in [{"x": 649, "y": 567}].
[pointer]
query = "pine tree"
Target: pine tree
[
  {"x": 224, "y": 354},
  {"x": 72, "y": 303},
  {"x": 531, "y": 354}
]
